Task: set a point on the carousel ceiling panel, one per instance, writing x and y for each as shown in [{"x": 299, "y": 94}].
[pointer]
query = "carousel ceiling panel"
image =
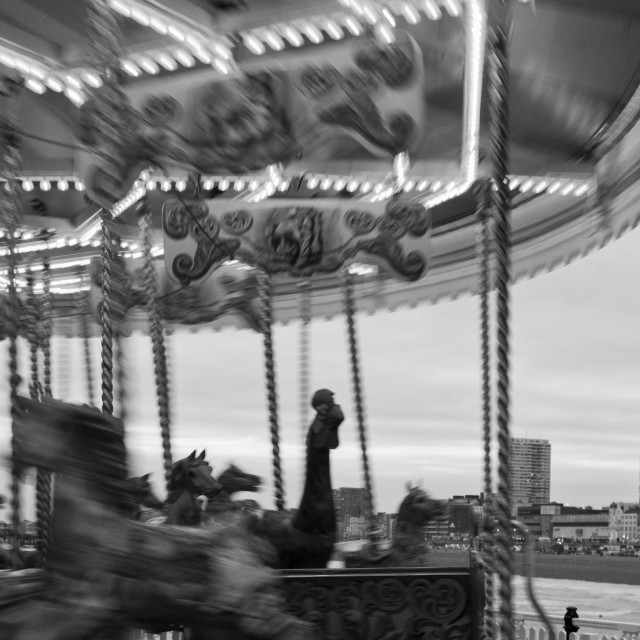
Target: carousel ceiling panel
[
  {"x": 571, "y": 67},
  {"x": 574, "y": 70}
]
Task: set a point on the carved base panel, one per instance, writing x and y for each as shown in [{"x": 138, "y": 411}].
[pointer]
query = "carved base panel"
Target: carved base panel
[
  {"x": 347, "y": 604},
  {"x": 388, "y": 604}
]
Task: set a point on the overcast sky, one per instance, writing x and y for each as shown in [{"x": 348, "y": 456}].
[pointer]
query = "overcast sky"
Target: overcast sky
[{"x": 575, "y": 381}]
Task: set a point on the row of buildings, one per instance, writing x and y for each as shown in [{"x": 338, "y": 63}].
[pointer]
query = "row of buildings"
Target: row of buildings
[
  {"x": 619, "y": 523},
  {"x": 530, "y": 487}
]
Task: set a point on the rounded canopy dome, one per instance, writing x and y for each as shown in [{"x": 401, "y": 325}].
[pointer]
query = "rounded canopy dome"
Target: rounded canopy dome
[{"x": 295, "y": 112}]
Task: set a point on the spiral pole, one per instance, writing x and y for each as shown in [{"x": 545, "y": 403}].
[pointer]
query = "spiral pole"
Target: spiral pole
[
  {"x": 121, "y": 376},
  {"x": 498, "y": 121},
  {"x": 44, "y": 478},
  {"x": 305, "y": 320},
  {"x": 10, "y": 204},
  {"x": 266, "y": 325},
  {"x": 106, "y": 315},
  {"x": 356, "y": 378},
  {"x": 110, "y": 132},
  {"x": 84, "y": 305},
  {"x": 110, "y": 127},
  {"x": 483, "y": 195},
  {"x": 156, "y": 330},
  {"x": 32, "y": 322},
  {"x": 46, "y": 326}
]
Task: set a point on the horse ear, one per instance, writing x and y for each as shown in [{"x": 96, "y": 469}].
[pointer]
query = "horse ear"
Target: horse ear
[
  {"x": 146, "y": 476},
  {"x": 202, "y": 455},
  {"x": 407, "y": 486},
  {"x": 192, "y": 456}
]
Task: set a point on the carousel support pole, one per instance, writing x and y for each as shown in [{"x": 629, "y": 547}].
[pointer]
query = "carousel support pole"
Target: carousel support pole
[
  {"x": 499, "y": 120},
  {"x": 350, "y": 312},
  {"x": 10, "y": 204},
  {"x": 106, "y": 316},
  {"x": 84, "y": 304},
  {"x": 483, "y": 195},
  {"x": 156, "y": 330},
  {"x": 110, "y": 131},
  {"x": 266, "y": 322},
  {"x": 305, "y": 320},
  {"x": 45, "y": 478}
]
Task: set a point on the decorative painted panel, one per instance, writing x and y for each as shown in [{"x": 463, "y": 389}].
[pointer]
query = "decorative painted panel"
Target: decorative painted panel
[
  {"x": 298, "y": 238},
  {"x": 393, "y": 604},
  {"x": 361, "y": 95}
]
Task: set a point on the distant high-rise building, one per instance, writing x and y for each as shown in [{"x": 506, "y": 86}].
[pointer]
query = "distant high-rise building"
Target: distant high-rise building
[
  {"x": 530, "y": 474},
  {"x": 350, "y": 504}
]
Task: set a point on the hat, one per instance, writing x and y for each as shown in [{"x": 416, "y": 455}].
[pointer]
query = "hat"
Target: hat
[{"x": 322, "y": 396}]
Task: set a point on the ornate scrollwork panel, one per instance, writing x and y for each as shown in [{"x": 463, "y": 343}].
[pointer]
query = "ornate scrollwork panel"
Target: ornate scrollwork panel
[
  {"x": 294, "y": 237},
  {"x": 388, "y": 604}
]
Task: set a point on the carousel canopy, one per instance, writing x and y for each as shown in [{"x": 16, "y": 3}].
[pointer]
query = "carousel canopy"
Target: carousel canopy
[{"x": 261, "y": 108}]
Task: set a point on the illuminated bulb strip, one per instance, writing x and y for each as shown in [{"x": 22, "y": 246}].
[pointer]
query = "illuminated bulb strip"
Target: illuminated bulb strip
[
  {"x": 333, "y": 29},
  {"x": 184, "y": 57},
  {"x": 91, "y": 78},
  {"x": 168, "y": 22},
  {"x": 292, "y": 35},
  {"x": 452, "y": 190},
  {"x": 582, "y": 189},
  {"x": 130, "y": 68},
  {"x": 312, "y": 32},
  {"x": 254, "y": 44},
  {"x": 431, "y": 10},
  {"x": 475, "y": 23},
  {"x": 388, "y": 16},
  {"x": 271, "y": 38},
  {"x": 384, "y": 33},
  {"x": 149, "y": 65},
  {"x": 410, "y": 13},
  {"x": 453, "y": 8},
  {"x": 354, "y": 27},
  {"x": 166, "y": 61},
  {"x": 35, "y": 85}
]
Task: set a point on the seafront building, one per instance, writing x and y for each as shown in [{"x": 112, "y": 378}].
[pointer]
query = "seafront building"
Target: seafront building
[{"x": 530, "y": 473}]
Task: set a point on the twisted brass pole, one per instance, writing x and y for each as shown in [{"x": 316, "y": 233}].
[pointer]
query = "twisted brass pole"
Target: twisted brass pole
[{"x": 499, "y": 121}]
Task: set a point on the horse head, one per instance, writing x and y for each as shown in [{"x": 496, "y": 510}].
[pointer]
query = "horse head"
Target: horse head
[
  {"x": 194, "y": 475},
  {"x": 142, "y": 492},
  {"x": 323, "y": 433},
  {"x": 418, "y": 508},
  {"x": 233, "y": 479}
]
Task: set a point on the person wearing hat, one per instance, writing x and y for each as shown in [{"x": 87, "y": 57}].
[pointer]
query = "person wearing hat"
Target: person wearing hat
[{"x": 328, "y": 418}]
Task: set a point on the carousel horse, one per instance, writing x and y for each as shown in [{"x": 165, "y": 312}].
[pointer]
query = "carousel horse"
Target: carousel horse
[
  {"x": 142, "y": 496},
  {"x": 232, "y": 480},
  {"x": 107, "y": 573},
  {"x": 305, "y": 539},
  {"x": 408, "y": 547},
  {"x": 189, "y": 478}
]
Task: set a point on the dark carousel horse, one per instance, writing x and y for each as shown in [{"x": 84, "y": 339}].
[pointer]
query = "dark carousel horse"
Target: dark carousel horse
[
  {"x": 107, "y": 573},
  {"x": 408, "y": 547},
  {"x": 305, "y": 540},
  {"x": 232, "y": 480},
  {"x": 190, "y": 478}
]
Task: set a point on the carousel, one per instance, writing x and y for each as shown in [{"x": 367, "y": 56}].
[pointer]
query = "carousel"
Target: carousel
[{"x": 171, "y": 165}]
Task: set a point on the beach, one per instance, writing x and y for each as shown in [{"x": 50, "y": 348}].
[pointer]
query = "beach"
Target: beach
[{"x": 594, "y": 600}]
